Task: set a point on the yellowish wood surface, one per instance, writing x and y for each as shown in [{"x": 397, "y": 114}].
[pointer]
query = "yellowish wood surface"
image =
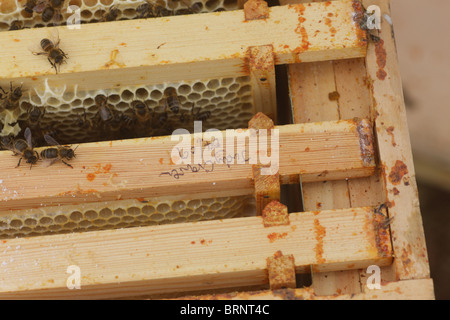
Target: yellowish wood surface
[
  {"x": 147, "y": 51},
  {"x": 399, "y": 183},
  {"x": 131, "y": 169},
  {"x": 400, "y": 290},
  {"x": 187, "y": 256}
]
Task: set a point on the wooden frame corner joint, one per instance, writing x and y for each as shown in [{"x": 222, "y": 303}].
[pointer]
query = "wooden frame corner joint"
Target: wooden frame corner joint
[{"x": 281, "y": 271}]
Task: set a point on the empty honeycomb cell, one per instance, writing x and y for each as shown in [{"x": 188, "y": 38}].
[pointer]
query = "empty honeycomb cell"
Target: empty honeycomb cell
[
  {"x": 46, "y": 221},
  {"x": 90, "y": 3},
  {"x": 157, "y": 217},
  {"x": 194, "y": 96},
  {"x": 212, "y": 4},
  {"x": 178, "y": 205},
  {"x": 209, "y": 215},
  {"x": 163, "y": 207},
  {"x": 91, "y": 214},
  {"x": 70, "y": 226},
  {"x": 193, "y": 204},
  {"x": 99, "y": 222},
  {"x": 156, "y": 94},
  {"x": 186, "y": 212},
  {"x": 184, "y": 89},
  {"x": 16, "y": 223},
  {"x": 215, "y": 206},
  {"x": 29, "y": 222},
  {"x": 142, "y": 218},
  {"x": 141, "y": 94},
  {"x": 60, "y": 219},
  {"x": 172, "y": 215},
  {"x": 180, "y": 220},
  {"x": 106, "y": 2},
  {"x": 105, "y": 213},
  {"x": 227, "y": 81},
  {"x": 148, "y": 210},
  {"x": 86, "y": 14},
  {"x": 199, "y": 87},
  {"x": 133, "y": 211},
  {"x": 194, "y": 217},
  {"x": 127, "y": 95},
  {"x": 213, "y": 84},
  {"x": 85, "y": 223},
  {"x": 54, "y": 227},
  {"x": 114, "y": 98},
  {"x": 113, "y": 220}
]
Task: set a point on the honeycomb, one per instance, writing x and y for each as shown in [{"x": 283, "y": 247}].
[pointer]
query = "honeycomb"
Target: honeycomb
[
  {"x": 121, "y": 214},
  {"x": 228, "y": 100},
  {"x": 93, "y": 10}
]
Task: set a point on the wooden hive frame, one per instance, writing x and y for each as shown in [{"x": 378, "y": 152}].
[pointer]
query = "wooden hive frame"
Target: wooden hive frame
[{"x": 344, "y": 227}]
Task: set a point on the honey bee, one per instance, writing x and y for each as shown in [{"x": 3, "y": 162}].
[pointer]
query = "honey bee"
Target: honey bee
[
  {"x": 24, "y": 148},
  {"x": 11, "y": 98},
  {"x": 55, "y": 55},
  {"x": 29, "y": 6},
  {"x": 16, "y": 25},
  {"x": 172, "y": 101},
  {"x": 6, "y": 142},
  {"x": 84, "y": 122},
  {"x": 59, "y": 153},
  {"x": 151, "y": 9},
  {"x": 104, "y": 109},
  {"x": 141, "y": 111},
  {"x": 50, "y": 9},
  {"x": 35, "y": 115},
  {"x": 201, "y": 116},
  {"x": 362, "y": 17},
  {"x": 110, "y": 15}
]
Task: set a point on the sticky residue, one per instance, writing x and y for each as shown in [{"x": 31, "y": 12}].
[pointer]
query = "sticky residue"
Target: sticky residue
[
  {"x": 276, "y": 236},
  {"x": 397, "y": 172},
  {"x": 380, "y": 53},
  {"x": 320, "y": 234}
]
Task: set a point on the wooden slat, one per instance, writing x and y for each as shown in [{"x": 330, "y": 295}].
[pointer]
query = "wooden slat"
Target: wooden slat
[
  {"x": 333, "y": 90},
  {"x": 188, "y": 256},
  {"x": 143, "y": 168},
  {"x": 401, "y": 290},
  {"x": 212, "y": 45},
  {"x": 398, "y": 177}
]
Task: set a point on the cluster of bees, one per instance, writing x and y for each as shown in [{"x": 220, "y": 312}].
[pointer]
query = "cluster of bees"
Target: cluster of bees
[
  {"x": 108, "y": 120},
  {"x": 50, "y": 10}
]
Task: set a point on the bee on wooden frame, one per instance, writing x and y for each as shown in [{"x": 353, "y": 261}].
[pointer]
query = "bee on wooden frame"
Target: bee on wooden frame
[
  {"x": 55, "y": 55},
  {"x": 29, "y": 6},
  {"x": 50, "y": 155},
  {"x": 24, "y": 148},
  {"x": 151, "y": 9}
]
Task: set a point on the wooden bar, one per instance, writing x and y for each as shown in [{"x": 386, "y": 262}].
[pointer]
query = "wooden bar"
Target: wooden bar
[
  {"x": 214, "y": 45},
  {"x": 188, "y": 256},
  {"x": 262, "y": 78},
  {"x": 333, "y": 90},
  {"x": 398, "y": 177},
  {"x": 145, "y": 168},
  {"x": 422, "y": 289}
]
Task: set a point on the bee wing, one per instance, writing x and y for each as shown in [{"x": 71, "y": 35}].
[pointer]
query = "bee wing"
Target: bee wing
[
  {"x": 40, "y": 6},
  {"x": 50, "y": 140},
  {"x": 27, "y": 136},
  {"x": 48, "y": 162}
]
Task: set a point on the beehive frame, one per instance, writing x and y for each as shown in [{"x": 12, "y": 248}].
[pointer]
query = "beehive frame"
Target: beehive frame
[{"x": 391, "y": 184}]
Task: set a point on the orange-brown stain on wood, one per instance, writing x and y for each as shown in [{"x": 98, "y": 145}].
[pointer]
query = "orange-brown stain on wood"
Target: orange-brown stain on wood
[
  {"x": 396, "y": 191},
  {"x": 320, "y": 234},
  {"x": 90, "y": 177},
  {"x": 380, "y": 53},
  {"x": 276, "y": 236},
  {"x": 397, "y": 172},
  {"x": 390, "y": 132},
  {"x": 112, "y": 59}
]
